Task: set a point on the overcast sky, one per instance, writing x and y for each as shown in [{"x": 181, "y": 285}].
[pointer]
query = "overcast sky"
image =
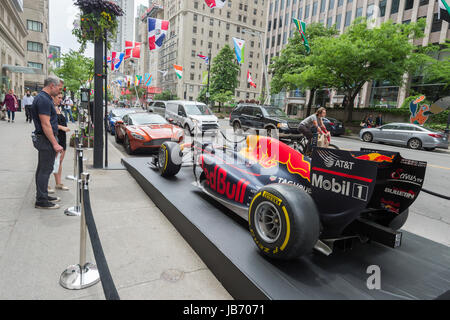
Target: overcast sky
[{"x": 62, "y": 14}]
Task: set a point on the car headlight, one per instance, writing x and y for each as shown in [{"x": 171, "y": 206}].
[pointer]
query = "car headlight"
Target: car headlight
[
  {"x": 137, "y": 136},
  {"x": 282, "y": 125}
]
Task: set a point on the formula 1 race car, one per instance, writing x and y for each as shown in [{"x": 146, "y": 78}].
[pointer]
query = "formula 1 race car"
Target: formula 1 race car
[{"x": 294, "y": 203}]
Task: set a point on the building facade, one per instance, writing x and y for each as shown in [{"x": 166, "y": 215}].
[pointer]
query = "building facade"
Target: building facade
[
  {"x": 340, "y": 14},
  {"x": 196, "y": 29},
  {"x": 12, "y": 50},
  {"x": 125, "y": 30},
  {"x": 35, "y": 16}
]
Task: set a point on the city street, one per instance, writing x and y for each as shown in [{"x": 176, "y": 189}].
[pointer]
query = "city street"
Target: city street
[{"x": 429, "y": 215}]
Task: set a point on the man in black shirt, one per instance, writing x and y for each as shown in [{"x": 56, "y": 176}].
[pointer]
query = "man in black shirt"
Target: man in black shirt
[{"x": 45, "y": 121}]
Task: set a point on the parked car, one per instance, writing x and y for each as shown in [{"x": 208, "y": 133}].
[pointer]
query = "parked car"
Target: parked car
[
  {"x": 147, "y": 131},
  {"x": 158, "y": 107},
  {"x": 411, "y": 135},
  {"x": 191, "y": 114},
  {"x": 246, "y": 116},
  {"x": 114, "y": 115},
  {"x": 335, "y": 127}
]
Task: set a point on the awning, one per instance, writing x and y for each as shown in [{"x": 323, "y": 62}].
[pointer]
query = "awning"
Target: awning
[{"x": 21, "y": 69}]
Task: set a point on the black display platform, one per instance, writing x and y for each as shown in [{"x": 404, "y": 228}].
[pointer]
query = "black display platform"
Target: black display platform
[{"x": 419, "y": 269}]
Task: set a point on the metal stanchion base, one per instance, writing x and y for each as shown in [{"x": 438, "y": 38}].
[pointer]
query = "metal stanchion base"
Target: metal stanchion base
[
  {"x": 71, "y": 178},
  {"x": 76, "y": 277},
  {"x": 73, "y": 212}
]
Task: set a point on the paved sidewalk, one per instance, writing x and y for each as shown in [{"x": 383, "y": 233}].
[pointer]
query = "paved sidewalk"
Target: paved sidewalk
[{"x": 147, "y": 257}]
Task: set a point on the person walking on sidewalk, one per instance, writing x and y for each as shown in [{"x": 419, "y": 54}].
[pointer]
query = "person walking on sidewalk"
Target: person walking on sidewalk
[
  {"x": 11, "y": 104},
  {"x": 27, "y": 101},
  {"x": 62, "y": 139},
  {"x": 68, "y": 104},
  {"x": 45, "y": 140}
]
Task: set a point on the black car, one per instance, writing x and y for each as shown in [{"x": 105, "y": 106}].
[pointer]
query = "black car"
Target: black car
[
  {"x": 335, "y": 127},
  {"x": 246, "y": 116}
]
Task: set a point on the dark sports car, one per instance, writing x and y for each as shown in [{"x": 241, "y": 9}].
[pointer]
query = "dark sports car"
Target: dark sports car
[
  {"x": 294, "y": 203},
  {"x": 145, "y": 131}
]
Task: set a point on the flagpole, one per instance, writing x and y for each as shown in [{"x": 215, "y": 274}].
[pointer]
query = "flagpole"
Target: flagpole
[{"x": 209, "y": 69}]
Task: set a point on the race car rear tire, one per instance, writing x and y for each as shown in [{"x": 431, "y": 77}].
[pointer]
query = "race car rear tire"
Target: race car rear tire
[
  {"x": 169, "y": 159},
  {"x": 283, "y": 221}
]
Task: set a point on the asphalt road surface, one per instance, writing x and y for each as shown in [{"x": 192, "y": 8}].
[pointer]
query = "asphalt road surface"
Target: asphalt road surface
[{"x": 429, "y": 215}]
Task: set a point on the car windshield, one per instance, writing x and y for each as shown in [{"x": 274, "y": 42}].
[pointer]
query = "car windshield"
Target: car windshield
[
  {"x": 146, "y": 118},
  {"x": 197, "y": 109},
  {"x": 273, "y": 112},
  {"x": 120, "y": 113}
]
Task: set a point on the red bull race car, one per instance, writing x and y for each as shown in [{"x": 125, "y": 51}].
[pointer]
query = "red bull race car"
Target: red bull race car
[{"x": 294, "y": 203}]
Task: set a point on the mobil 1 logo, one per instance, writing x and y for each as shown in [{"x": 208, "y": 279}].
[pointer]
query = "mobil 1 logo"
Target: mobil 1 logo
[
  {"x": 360, "y": 192},
  {"x": 344, "y": 187}
]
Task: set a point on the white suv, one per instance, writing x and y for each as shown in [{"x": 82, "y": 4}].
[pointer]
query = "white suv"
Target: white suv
[{"x": 191, "y": 114}]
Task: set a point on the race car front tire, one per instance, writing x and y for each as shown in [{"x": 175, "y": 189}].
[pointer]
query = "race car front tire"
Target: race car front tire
[
  {"x": 283, "y": 221},
  {"x": 169, "y": 159}
]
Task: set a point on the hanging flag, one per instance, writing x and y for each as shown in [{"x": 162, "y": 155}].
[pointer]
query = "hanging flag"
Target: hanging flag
[
  {"x": 301, "y": 27},
  {"x": 205, "y": 77},
  {"x": 50, "y": 56},
  {"x": 147, "y": 79},
  {"x": 444, "y": 10},
  {"x": 132, "y": 50},
  {"x": 116, "y": 60},
  {"x": 239, "y": 46},
  {"x": 164, "y": 73},
  {"x": 157, "y": 30},
  {"x": 204, "y": 58},
  {"x": 137, "y": 81},
  {"x": 215, "y": 3},
  {"x": 178, "y": 71},
  {"x": 250, "y": 80}
]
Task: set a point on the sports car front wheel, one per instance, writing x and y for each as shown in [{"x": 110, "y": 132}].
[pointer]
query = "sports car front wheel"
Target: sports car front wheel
[{"x": 283, "y": 221}]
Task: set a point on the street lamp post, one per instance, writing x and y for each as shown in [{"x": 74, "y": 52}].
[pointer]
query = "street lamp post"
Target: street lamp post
[{"x": 266, "y": 77}]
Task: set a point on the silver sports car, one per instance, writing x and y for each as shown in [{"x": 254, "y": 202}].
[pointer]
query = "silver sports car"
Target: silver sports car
[{"x": 411, "y": 135}]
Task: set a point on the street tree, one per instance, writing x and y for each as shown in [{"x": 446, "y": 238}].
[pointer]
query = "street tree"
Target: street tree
[
  {"x": 76, "y": 69},
  {"x": 287, "y": 68},
  {"x": 362, "y": 54},
  {"x": 224, "y": 75},
  {"x": 438, "y": 71}
]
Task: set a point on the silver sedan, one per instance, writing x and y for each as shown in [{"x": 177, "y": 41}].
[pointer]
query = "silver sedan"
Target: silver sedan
[{"x": 411, "y": 135}]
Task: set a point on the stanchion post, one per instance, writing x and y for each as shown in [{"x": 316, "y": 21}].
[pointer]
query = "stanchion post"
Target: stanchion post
[
  {"x": 85, "y": 274},
  {"x": 76, "y": 210},
  {"x": 76, "y": 142}
]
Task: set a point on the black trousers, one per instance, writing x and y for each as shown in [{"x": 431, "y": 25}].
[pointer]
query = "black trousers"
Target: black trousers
[
  {"x": 46, "y": 161},
  {"x": 28, "y": 113}
]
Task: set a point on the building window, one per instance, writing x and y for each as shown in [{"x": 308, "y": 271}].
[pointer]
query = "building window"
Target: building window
[
  {"x": 314, "y": 10},
  {"x": 436, "y": 25},
  {"x": 395, "y": 4},
  {"x": 359, "y": 12},
  {"x": 331, "y": 5},
  {"x": 35, "y": 65},
  {"x": 423, "y": 2},
  {"x": 409, "y": 4},
  {"x": 383, "y": 8},
  {"x": 34, "y": 26},
  {"x": 34, "y": 46},
  {"x": 348, "y": 18},
  {"x": 307, "y": 11},
  {"x": 322, "y": 5},
  {"x": 329, "y": 22},
  {"x": 338, "y": 21},
  {"x": 340, "y": 3}
]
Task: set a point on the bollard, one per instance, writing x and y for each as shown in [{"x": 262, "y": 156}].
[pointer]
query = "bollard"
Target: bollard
[
  {"x": 76, "y": 141},
  {"x": 85, "y": 274},
  {"x": 76, "y": 210}
]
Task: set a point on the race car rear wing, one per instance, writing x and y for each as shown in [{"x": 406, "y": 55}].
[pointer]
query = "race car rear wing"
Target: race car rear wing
[{"x": 344, "y": 183}]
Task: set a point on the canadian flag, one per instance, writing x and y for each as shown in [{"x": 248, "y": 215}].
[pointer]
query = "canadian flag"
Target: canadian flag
[
  {"x": 132, "y": 50},
  {"x": 250, "y": 80}
]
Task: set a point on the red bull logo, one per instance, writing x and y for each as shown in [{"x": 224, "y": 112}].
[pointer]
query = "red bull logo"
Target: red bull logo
[
  {"x": 269, "y": 153},
  {"x": 375, "y": 157}
]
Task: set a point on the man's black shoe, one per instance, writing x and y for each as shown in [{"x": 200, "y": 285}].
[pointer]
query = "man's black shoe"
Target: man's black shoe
[
  {"x": 46, "y": 205},
  {"x": 54, "y": 199}
]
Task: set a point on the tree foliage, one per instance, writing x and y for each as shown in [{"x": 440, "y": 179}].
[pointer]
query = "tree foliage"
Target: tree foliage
[
  {"x": 76, "y": 69},
  {"x": 438, "y": 71},
  {"x": 165, "y": 96},
  {"x": 224, "y": 75},
  {"x": 363, "y": 54}
]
